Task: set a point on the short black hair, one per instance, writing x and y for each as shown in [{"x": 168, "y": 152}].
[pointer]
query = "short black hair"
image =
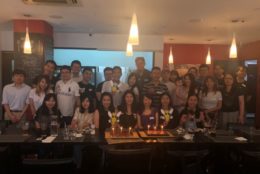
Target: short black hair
[
  {"x": 65, "y": 67},
  {"x": 117, "y": 67},
  {"x": 107, "y": 69},
  {"x": 75, "y": 62},
  {"x": 87, "y": 69},
  {"x": 156, "y": 68},
  {"x": 51, "y": 62},
  {"x": 139, "y": 58},
  {"x": 19, "y": 72},
  {"x": 203, "y": 66}
]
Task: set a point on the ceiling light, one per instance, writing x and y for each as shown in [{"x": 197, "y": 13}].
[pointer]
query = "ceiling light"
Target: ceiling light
[
  {"x": 170, "y": 59},
  {"x": 129, "y": 50},
  {"x": 27, "y": 48},
  {"x": 208, "y": 58},
  {"x": 134, "y": 34},
  {"x": 233, "y": 48}
]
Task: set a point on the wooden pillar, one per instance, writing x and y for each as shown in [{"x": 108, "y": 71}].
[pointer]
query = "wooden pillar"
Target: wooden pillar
[
  {"x": 41, "y": 37},
  {"x": 257, "y": 114}
]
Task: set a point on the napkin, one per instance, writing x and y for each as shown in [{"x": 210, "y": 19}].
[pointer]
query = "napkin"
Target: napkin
[
  {"x": 188, "y": 137},
  {"x": 49, "y": 139},
  {"x": 241, "y": 139}
]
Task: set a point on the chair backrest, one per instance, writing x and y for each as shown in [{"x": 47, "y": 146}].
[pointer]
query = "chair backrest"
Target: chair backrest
[
  {"x": 185, "y": 161},
  {"x": 48, "y": 165},
  {"x": 137, "y": 160}
]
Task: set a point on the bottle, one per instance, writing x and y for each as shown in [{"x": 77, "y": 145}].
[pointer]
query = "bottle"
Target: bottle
[{"x": 92, "y": 131}]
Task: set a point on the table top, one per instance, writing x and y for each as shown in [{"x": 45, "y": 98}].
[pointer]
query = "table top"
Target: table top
[{"x": 14, "y": 135}]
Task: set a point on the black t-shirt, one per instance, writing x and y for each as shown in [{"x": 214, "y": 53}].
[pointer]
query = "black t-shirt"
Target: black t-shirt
[
  {"x": 230, "y": 100},
  {"x": 197, "y": 112},
  {"x": 89, "y": 90},
  {"x": 99, "y": 86}
]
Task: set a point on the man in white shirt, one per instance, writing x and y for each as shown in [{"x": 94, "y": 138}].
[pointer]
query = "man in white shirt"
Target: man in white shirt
[
  {"x": 67, "y": 94},
  {"x": 15, "y": 97},
  {"x": 115, "y": 86},
  {"x": 76, "y": 71}
]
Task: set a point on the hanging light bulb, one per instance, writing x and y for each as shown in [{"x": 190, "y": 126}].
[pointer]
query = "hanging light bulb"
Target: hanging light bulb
[
  {"x": 170, "y": 57},
  {"x": 129, "y": 50},
  {"x": 233, "y": 48},
  {"x": 208, "y": 58},
  {"x": 134, "y": 34},
  {"x": 27, "y": 49}
]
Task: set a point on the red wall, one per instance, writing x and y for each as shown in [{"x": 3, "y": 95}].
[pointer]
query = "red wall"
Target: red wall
[
  {"x": 35, "y": 26},
  {"x": 194, "y": 53}
]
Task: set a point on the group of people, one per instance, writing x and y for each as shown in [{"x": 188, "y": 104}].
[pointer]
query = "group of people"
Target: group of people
[{"x": 149, "y": 98}]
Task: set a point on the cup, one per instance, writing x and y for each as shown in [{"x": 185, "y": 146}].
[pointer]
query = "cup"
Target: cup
[
  {"x": 65, "y": 134},
  {"x": 25, "y": 128}
]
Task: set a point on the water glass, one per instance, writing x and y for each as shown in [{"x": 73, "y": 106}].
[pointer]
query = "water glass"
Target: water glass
[{"x": 25, "y": 127}]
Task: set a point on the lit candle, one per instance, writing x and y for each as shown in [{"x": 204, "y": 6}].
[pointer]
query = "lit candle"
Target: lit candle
[
  {"x": 154, "y": 127},
  {"x": 113, "y": 130},
  {"x": 130, "y": 128},
  {"x": 121, "y": 129},
  {"x": 148, "y": 127},
  {"x": 161, "y": 127}
]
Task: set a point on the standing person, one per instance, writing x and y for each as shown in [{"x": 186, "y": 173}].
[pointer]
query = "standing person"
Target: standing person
[
  {"x": 15, "y": 97},
  {"x": 83, "y": 116},
  {"x": 76, "y": 75},
  {"x": 166, "y": 80},
  {"x": 108, "y": 72},
  {"x": 194, "y": 72},
  {"x": 38, "y": 93},
  {"x": 142, "y": 74},
  {"x": 203, "y": 73},
  {"x": 48, "y": 70},
  {"x": 155, "y": 88},
  {"x": 210, "y": 100},
  {"x": 115, "y": 86},
  {"x": 232, "y": 110},
  {"x": 86, "y": 88},
  {"x": 174, "y": 76},
  {"x": 192, "y": 116},
  {"x": 67, "y": 92},
  {"x": 128, "y": 110},
  {"x": 132, "y": 83},
  {"x": 168, "y": 116},
  {"x": 219, "y": 75},
  {"x": 182, "y": 92},
  {"x": 104, "y": 115},
  {"x": 243, "y": 85}
]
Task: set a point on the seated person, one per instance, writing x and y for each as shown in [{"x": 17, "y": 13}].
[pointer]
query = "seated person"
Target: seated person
[
  {"x": 83, "y": 116},
  {"x": 128, "y": 110},
  {"x": 48, "y": 109},
  {"x": 191, "y": 114}
]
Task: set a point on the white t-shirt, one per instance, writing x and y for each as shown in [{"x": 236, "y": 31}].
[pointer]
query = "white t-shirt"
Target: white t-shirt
[
  {"x": 211, "y": 100},
  {"x": 118, "y": 90},
  {"x": 37, "y": 100},
  {"x": 83, "y": 120},
  {"x": 66, "y": 96},
  {"x": 16, "y": 97},
  {"x": 171, "y": 87}
]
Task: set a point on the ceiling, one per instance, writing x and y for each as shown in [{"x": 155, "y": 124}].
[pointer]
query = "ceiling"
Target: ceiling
[{"x": 178, "y": 21}]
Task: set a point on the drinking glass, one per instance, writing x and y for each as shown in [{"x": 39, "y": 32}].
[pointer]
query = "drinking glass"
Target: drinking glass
[{"x": 25, "y": 127}]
